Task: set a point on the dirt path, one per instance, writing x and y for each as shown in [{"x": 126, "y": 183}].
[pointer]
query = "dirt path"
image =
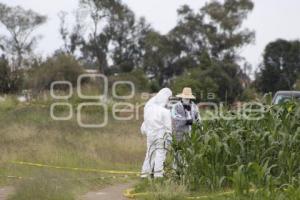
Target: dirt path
[
  {"x": 114, "y": 192},
  {"x": 4, "y": 192},
  {"x": 110, "y": 193}
]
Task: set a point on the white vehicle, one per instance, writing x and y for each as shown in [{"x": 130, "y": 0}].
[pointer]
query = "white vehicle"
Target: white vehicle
[{"x": 283, "y": 96}]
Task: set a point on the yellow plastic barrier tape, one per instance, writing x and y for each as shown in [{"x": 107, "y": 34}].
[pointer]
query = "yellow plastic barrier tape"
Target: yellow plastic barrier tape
[
  {"x": 16, "y": 177},
  {"x": 231, "y": 192},
  {"x": 212, "y": 196},
  {"x": 76, "y": 169},
  {"x": 129, "y": 193}
]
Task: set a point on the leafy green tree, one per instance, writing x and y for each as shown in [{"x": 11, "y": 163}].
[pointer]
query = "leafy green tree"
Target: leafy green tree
[
  {"x": 204, "y": 43},
  {"x": 211, "y": 38},
  {"x": 20, "y": 24},
  {"x": 126, "y": 39},
  {"x": 188, "y": 37},
  {"x": 115, "y": 36},
  {"x": 96, "y": 46},
  {"x": 121, "y": 31},
  {"x": 72, "y": 39},
  {"x": 215, "y": 78},
  {"x": 281, "y": 66},
  {"x": 158, "y": 57},
  {"x": 223, "y": 30}
]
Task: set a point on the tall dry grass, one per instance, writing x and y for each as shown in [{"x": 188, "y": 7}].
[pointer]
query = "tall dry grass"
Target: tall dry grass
[{"x": 28, "y": 133}]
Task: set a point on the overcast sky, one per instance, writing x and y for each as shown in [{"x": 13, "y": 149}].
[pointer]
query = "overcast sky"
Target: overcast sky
[{"x": 271, "y": 19}]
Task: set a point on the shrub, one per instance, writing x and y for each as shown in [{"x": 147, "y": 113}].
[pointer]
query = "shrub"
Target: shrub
[
  {"x": 248, "y": 94},
  {"x": 60, "y": 67},
  {"x": 137, "y": 77}
]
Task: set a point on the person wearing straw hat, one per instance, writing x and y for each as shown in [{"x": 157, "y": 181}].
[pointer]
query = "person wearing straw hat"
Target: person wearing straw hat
[{"x": 184, "y": 114}]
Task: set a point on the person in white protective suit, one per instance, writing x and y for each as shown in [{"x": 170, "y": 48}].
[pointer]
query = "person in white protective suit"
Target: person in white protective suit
[{"x": 157, "y": 126}]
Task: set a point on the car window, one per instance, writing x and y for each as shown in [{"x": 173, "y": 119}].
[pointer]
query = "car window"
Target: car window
[
  {"x": 281, "y": 99},
  {"x": 284, "y": 98}
]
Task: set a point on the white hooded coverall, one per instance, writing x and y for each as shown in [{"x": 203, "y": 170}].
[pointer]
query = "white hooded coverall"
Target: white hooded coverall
[{"x": 156, "y": 126}]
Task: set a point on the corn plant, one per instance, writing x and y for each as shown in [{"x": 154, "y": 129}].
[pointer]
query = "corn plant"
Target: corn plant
[{"x": 241, "y": 154}]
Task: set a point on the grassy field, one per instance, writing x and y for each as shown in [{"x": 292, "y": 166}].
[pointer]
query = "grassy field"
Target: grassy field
[
  {"x": 29, "y": 134},
  {"x": 215, "y": 167}
]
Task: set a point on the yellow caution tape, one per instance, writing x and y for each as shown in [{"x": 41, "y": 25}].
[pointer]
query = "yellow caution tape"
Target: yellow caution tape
[
  {"x": 76, "y": 168},
  {"x": 16, "y": 177},
  {"x": 129, "y": 193},
  {"x": 213, "y": 195}
]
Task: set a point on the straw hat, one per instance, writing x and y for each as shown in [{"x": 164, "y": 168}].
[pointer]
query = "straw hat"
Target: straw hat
[{"x": 186, "y": 94}]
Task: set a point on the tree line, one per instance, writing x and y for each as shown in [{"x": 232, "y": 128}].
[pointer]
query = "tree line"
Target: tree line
[{"x": 201, "y": 51}]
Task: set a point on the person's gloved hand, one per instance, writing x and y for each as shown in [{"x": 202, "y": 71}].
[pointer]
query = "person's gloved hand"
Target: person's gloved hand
[{"x": 189, "y": 122}]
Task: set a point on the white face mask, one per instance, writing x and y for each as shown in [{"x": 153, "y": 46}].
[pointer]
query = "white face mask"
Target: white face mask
[{"x": 186, "y": 101}]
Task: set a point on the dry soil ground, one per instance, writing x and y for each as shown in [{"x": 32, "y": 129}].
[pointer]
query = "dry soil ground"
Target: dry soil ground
[
  {"x": 114, "y": 192},
  {"x": 4, "y": 192},
  {"x": 110, "y": 193}
]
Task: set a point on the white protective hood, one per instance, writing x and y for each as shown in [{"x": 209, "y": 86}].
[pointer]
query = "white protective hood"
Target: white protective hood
[
  {"x": 157, "y": 118},
  {"x": 161, "y": 98}
]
